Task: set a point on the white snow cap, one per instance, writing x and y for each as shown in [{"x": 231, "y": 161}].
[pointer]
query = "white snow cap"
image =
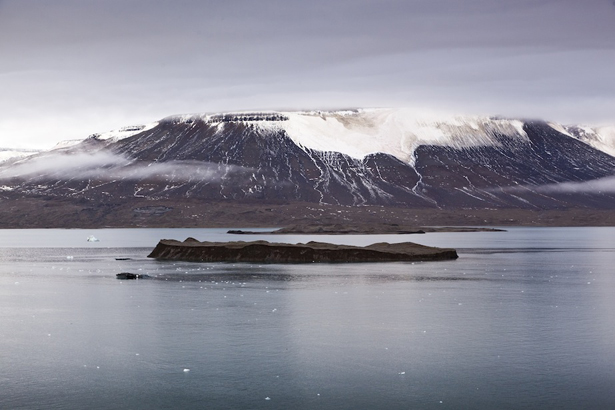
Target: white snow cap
[
  {"x": 6, "y": 154},
  {"x": 125, "y": 132},
  {"x": 395, "y": 132},
  {"x": 358, "y": 133},
  {"x": 601, "y": 138}
]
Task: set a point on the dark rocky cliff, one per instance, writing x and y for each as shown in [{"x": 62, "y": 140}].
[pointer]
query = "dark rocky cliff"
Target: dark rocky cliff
[{"x": 267, "y": 252}]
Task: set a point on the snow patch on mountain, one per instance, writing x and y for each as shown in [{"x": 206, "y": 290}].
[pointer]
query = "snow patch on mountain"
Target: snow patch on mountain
[
  {"x": 125, "y": 132},
  {"x": 601, "y": 138},
  {"x": 66, "y": 144},
  {"x": 109, "y": 136},
  {"x": 222, "y": 118},
  {"x": 359, "y": 133},
  {"x": 397, "y": 132},
  {"x": 8, "y": 153}
]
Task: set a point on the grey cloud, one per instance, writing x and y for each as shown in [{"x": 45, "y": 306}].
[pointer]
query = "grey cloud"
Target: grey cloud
[
  {"x": 99, "y": 65},
  {"x": 595, "y": 186},
  {"x": 602, "y": 185},
  {"x": 242, "y": 37},
  {"x": 105, "y": 166}
]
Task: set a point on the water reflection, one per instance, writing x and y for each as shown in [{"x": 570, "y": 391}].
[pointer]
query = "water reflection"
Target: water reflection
[{"x": 507, "y": 328}]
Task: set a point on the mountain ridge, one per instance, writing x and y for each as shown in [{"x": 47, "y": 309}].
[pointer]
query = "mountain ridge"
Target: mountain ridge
[{"x": 350, "y": 158}]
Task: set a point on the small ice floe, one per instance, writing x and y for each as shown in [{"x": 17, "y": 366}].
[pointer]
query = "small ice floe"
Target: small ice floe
[
  {"x": 402, "y": 373},
  {"x": 92, "y": 238},
  {"x": 70, "y": 257},
  {"x": 186, "y": 370},
  {"x": 267, "y": 398}
]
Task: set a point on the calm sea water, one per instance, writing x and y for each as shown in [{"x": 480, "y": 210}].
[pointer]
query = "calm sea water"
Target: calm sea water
[{"x": 524, "y": 319}]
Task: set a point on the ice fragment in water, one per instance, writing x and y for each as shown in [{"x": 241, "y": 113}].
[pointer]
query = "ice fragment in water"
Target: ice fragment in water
[
  {"x": 186, "y": 370},
  {"x": 267, "y": 398}
]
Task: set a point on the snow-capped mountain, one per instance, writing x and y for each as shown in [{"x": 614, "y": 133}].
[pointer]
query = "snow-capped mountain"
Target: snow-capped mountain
[
  {"x": 13, "y": 153},
  {"x": 602, "y": 138},
  {"x": 354, "y": 157}
]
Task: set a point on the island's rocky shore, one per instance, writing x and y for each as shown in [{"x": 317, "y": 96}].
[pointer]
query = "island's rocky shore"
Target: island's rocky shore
[
  {"x": 268, "y": 252},
  {"x": 357, "y": 229}
]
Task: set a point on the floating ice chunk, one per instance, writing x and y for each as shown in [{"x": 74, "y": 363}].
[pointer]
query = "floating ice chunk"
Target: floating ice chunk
[
  {"x": 70, "y": 257},
  {"x": 402, "y": 372},
  {"x": 92, "y": 238},
  {"x": 186, "y": 370},
  {"x": 267, "y": 398}
]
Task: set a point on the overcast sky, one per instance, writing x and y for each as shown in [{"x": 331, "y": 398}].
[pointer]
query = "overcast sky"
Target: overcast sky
[{"x": 69, "y": 68}]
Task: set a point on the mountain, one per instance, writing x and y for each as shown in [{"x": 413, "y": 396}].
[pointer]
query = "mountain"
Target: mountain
[
  {"x": 7, "y": 154},
  {"x": 368, "y": 158}
]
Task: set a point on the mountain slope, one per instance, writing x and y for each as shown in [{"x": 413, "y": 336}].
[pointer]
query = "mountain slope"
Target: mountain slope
[{"x": 364, "y": 157}]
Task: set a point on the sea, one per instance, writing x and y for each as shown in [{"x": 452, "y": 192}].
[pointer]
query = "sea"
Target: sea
[{"x": 524, "y": 319}]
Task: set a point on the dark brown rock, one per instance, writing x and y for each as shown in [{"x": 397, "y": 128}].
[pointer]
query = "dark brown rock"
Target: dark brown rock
[
  {"x": 130, "y": 276},
  {"x": 267, "y": 252}
]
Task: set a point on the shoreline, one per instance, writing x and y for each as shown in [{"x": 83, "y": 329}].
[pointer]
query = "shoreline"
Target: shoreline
[
  {"x": 357, "y": 229},
  {"x": 36, "y": 213}
]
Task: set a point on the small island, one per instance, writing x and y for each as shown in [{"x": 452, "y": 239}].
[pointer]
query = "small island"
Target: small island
[
  {"x": 311, "y": 252},
  {"x": 363, "y": 229}
]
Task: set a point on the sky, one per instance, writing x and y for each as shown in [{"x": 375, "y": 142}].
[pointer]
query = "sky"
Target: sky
[{"x": 70, "y": 68}]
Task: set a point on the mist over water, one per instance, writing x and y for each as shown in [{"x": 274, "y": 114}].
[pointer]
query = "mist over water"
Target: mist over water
[{"x": 523, "y": 319}]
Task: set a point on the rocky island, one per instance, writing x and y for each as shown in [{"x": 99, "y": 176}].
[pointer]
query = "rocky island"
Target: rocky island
[{"x": 268, "y": 252}]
